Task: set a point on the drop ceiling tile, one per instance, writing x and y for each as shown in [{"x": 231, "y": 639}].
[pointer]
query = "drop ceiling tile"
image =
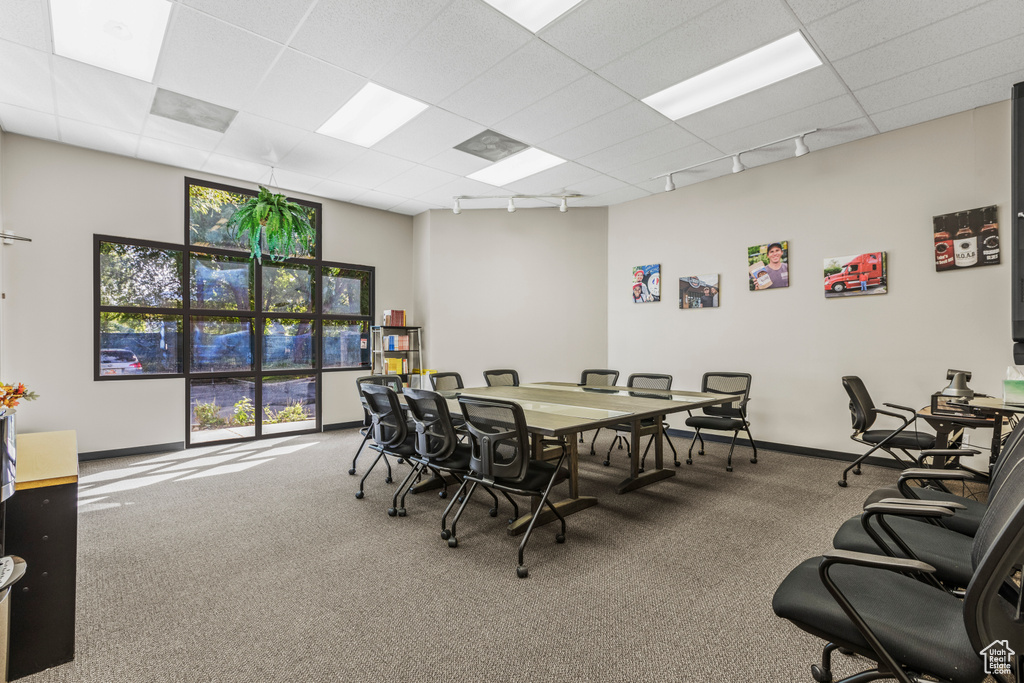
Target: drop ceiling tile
[
  {"x": 619, "y": 196},
  {"x": 577, "y": 103},
  {"x": 976, "y": 28},
  {"x": 616, "y": 126},
  {"x": 798, "y": 92},
  {"x": 457, "y": 162},
  {"x": 829, "y": 113},
  {"x": 552, "y": 181},
  {"x": 596, "y": 185},
  {"x": 952, "y": 74},
  {"x": 259, "y": 140},
  {"x": 519, "y": 80},
  {"x": 463, "y": 41},
  {"x": 429, "y": 134},
  {"x": 338, "y": 191},
  {"x": 670, "y": 161},
  {"x": 236, "y": 169},
  {"x": 812, "y": 10},
  {"x": 416, "y": 181},
  {"x": 640, "y": 148},
  {"x": 599, "y": 31},
  {"x": 320, "y": 155},
  {"x": 206, "y": 58},
  {"x": 171, "y": 154},
  {"x": 101, "y": 97},
  {"x": 360, "y": 35},
  {"x": 28, "y": 122},
  {"x": 169, "y": 130},
  {"x": 99, "y": 138},
  {"x": 461, "y": 187},
  {"x": 730, "y": 30},
  {"x": 26, "y": 22},
  {"x": 25, "y": 80},
  {"x": 412, "y": 207},
  {"x": 871, "y": 22},
  {"x": 371, "y": 169},
  {"x": 293, "y": 181},
  {"x": 977, "y": 95},
  {"x": 274, "y": 19},
  {"x": 378, "y": 200},
  {"x": 302, "y": 91}
]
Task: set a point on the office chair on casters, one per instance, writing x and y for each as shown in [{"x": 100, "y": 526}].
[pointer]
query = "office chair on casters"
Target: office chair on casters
[
  {"x": 597, "y": 378},
  {"x": 641, "y": 381},
  {"x": 501, "y": 378},
  {"x": 731, "y": 417},
  {"x": 393, "y": 381},
  {"x": 388, "y": 426},
  {"x": 863, "y": 413},
  {"x": 501, "y": 460},
  {"x": 446, "y": 381}
]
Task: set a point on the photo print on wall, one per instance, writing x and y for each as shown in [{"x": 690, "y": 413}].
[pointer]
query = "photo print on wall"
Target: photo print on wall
[
  {"x": 647, "y": 283},
  {"x": 855, "y": 275},
  {"x": 698, "y": 291},
  {"x": 768, "y": 265},
  {"x": 966, "y": 239}
]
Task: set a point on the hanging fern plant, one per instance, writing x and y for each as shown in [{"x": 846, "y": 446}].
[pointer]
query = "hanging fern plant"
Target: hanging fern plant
[{"x": 273, "y": 226}]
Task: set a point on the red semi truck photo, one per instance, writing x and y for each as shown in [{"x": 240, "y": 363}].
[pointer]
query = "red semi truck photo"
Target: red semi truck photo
[{"x": 856, "y": 274}]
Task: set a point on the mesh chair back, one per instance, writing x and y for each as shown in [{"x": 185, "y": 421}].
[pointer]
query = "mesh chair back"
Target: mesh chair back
[
  {"x": 648, "y": 381},
  {"x": 599, "y": 378},
  {"x": 446, "y": 381},
  {"x": 501, "y": 444},
  {"x": 388, "y": 422},
  {"x": 1007, "y": 457},
  {"x": 862, "y": 409},
  {"x": 393, "y": 381},
  {"x": 997, "y": 551},
  {"x": 730, "y": 384},
  {"x": 501, "y": 378},
  {"x": 435, "y": 434}
]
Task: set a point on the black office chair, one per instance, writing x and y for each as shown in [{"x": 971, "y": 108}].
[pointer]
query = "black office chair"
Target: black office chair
[
  {"x": 393, "y": 381},
  {"x": 501, "y": 378},
  {"x": 437, "y": 447},
  {"x": 877, "y": 607},
  {"x": 641, "y": 381},
  {"x": 597, "y": 378},
  {"x": 501, "y": 460},
  {"x": 863, "y": 413},
  {"x": 446, "y": 381},
  {"x": 388, "y": 427},
  {"x": 731, "y": 417}
]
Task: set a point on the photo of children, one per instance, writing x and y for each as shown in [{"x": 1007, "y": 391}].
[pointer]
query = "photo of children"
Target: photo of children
[
  {"x": 698, "y": 291},
  {"x": 855, "y": 275},
  {"x": 768, "y": 265},
  {"x": 647, "y": 283}
]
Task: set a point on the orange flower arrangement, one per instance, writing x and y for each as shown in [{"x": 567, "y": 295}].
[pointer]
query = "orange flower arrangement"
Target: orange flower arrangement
[{"x": 11, "y": 394}]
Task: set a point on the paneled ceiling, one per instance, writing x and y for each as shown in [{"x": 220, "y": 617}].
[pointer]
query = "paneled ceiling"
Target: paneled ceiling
[{"x": 573, "y": 89}]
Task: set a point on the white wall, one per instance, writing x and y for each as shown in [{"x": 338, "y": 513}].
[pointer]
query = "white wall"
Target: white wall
[
  {"x": 876, "y": 194},
  {"x": 526, "y": 290},
  {"x": 61, "y": 196}
]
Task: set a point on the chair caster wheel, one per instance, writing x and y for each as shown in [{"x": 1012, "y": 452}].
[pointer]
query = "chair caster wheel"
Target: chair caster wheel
[
  {"x": 606, "y": 463},
  {"x": 359, "y": 495},
  {"x": 819, "y": 675},
  {"x": 560, "y": 538},
  {"x": 857, "y": 472},
  {"x": 641, "y": 470},
  {"x": 753, "y": 461},
  {"x": 493, "y": 512},
  {"x": 442, "y": 494},
  {"x": 842, "y": 482},
  {"x": 387, "y": 480},
  {"x": 728, "y": 469},
  {"x": 401, "y": 512},
  {"x": 522, "y": 572},
  {"x": 678, "y": 464},
  {"x": 445, "y": 534},
  {"x": 352, "y": 471},
  {"x": 689, "y": 462},
  {"x": 392, "y": 512},
  {"x": 453, "y": 542},
  {"x": 401, "y": 460},
  {"x": 592, "y": 452}
]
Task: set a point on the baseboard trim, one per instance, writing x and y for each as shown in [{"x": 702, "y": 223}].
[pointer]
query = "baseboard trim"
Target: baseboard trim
[
  {"x": 343, "y": 425},
  {"x": 136, "y": 450}
]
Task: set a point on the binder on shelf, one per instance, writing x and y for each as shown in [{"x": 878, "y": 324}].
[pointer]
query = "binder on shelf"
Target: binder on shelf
[{"x": 394, "y": 318}]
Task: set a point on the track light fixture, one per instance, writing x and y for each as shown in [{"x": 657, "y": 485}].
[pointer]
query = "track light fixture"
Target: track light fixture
[
  {"x": 737, "y": 165},
  {"x": 563, "y": 204}
]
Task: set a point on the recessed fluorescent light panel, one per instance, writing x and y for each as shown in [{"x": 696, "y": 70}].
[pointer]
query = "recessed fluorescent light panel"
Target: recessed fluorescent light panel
[
  {"x": 772, "y": 63},
  {"x": 371, "y": 115},
  {"x": 511, "y": 169},
  {"x": 118, "y": 35},
  {"x": 533, "y": 14}
]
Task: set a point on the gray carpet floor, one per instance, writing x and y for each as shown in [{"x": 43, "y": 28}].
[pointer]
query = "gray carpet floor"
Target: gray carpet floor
[{"x": 255, "y": 562}]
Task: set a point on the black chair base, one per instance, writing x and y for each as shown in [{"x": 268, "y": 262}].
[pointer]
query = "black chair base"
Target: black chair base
[{"x": 732, "y": 447}]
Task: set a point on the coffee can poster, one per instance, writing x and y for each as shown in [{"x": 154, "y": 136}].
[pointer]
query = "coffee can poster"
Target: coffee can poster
[{"x": 966, "y": 239}]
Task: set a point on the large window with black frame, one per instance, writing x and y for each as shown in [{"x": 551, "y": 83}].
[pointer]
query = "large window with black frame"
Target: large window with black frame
[{"x": 250, "y": 339}]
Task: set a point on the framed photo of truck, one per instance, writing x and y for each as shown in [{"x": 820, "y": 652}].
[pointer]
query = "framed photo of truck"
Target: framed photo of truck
[{"x": 857, "y": 275}]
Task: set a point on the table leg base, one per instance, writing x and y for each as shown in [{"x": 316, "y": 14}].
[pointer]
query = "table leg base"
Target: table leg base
[
  {"x": 431, "y": 483},
  {"x": 565, "y": 507},
  {"x": 644, "y": 479}
]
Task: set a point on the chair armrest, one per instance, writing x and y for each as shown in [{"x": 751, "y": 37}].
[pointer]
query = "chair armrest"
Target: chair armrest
[
  {"x": 892, "y": 414},
  {"x": 913, "y": 508},
  {"x": 926, "y": 474},
  {"x": 881, "y": 509},
  {"x": 952, "y": 505},
  {"x": 896, "y": 564},
  {"x": 948, "y": 452},
  {"x": 899, "y": 407}
]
